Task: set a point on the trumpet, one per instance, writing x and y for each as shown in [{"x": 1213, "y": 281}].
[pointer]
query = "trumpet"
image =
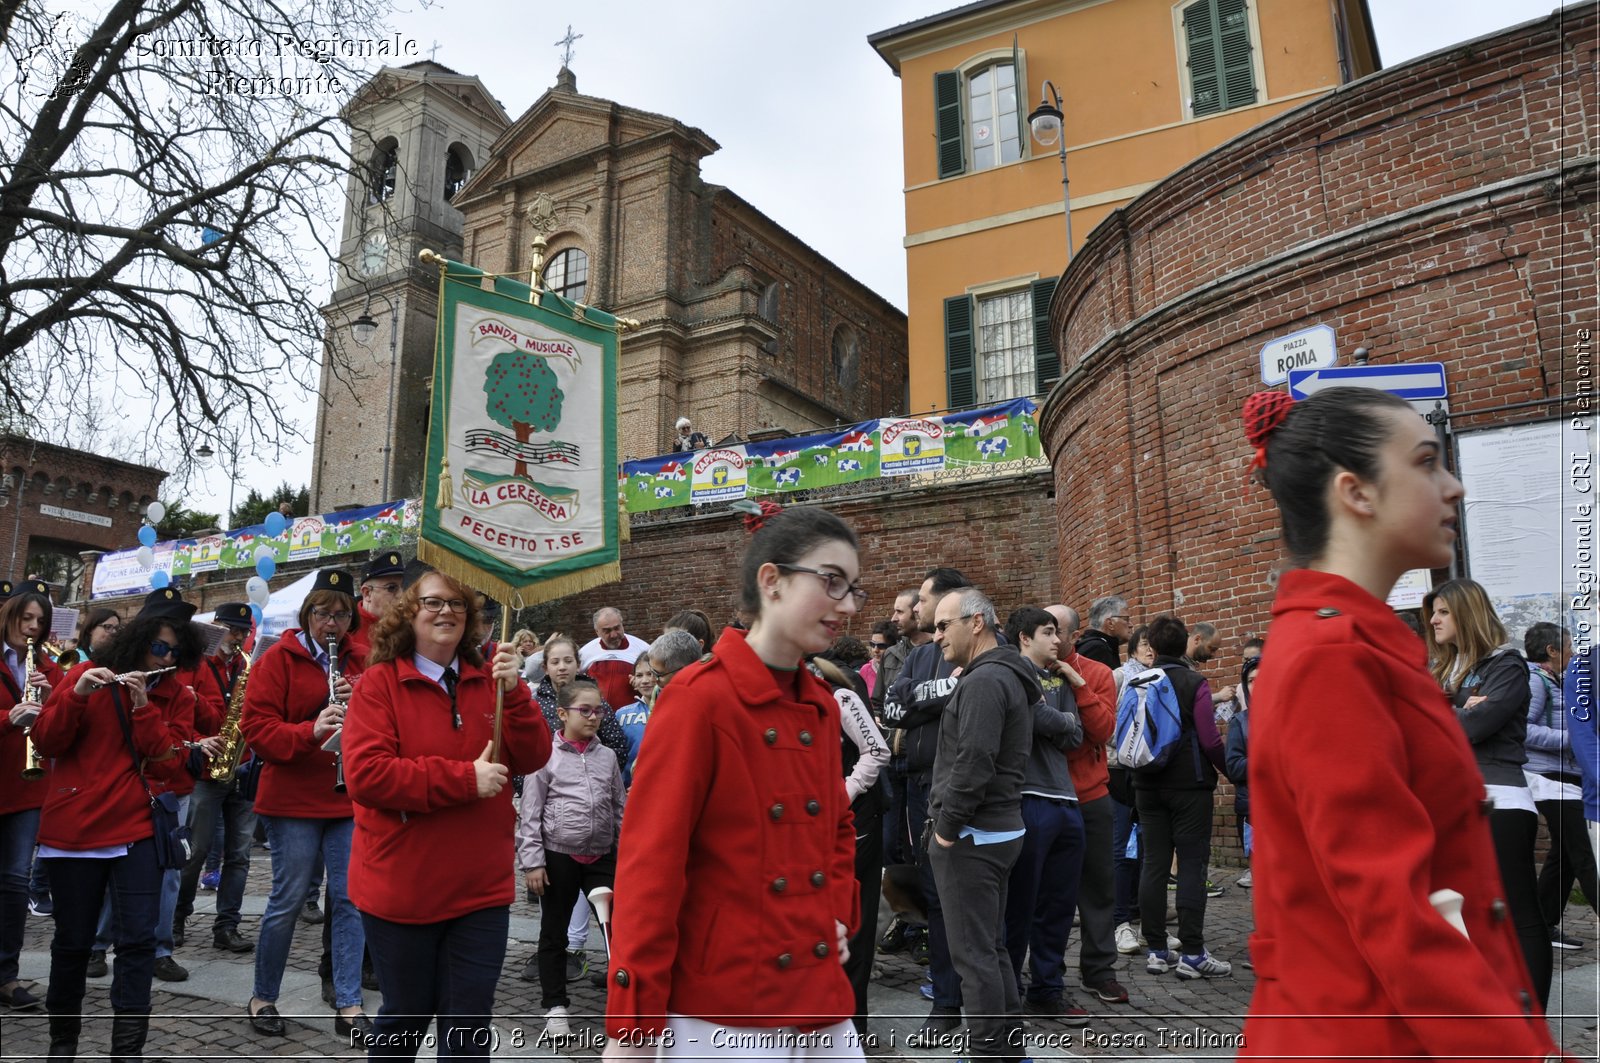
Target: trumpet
[{"x": 32, "y": 762}]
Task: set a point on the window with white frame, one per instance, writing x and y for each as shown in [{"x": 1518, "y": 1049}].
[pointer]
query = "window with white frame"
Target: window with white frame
[
  {"x": 1004, "y": 343},
  {"x": 992, "y": 126}
]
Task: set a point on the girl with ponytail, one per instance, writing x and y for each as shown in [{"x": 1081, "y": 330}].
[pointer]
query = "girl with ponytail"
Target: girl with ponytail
[{"x": 1367, "y": 808}]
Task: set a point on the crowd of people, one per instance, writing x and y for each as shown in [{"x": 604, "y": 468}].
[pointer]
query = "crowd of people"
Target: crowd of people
[{"x": 728, "y": 809}]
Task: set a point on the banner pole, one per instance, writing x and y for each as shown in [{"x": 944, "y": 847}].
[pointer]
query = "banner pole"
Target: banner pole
[{"x": 499, "y": 691}]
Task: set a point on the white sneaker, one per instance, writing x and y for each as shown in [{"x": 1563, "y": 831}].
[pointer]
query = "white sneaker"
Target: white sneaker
[
  {"x": 1159, "y": 962},
  {"x": 556, "y": 1026},
  {"x": 1173, "y": 943},
  {"x": 1127, "y": 940},
  {"x": 1204, "y": 965},
  {"x": 1244, "y": 881}
]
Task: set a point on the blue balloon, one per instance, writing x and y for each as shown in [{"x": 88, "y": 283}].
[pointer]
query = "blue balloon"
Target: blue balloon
[
  {"x": 275, "y": 524},
  {"x": 159, "y": 579},
  {"x": 255, "y": 611},
  {"x": 265, "y": 567},
  {"x": 147, "y": 535}
]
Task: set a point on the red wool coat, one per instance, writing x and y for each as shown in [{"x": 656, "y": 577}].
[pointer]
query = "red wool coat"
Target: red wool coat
[
  {"x": 1097, "y": 707},
  {"x": 427, "y": 848},
  {"x": 287, "y": 690},
  {"x": 95, "y": 798},
  {"x": 16, "y": 793},
  {"x": 360, "y": 640},
  {"x": 1365, "y": 799},
  {"x": 178, "y": 705},
  {"x": 736, "y": 857},
  {"x": 212, "y": 703}
]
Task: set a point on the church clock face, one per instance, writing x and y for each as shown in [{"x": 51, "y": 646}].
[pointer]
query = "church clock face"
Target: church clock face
[{"x": 374, "y": 255}]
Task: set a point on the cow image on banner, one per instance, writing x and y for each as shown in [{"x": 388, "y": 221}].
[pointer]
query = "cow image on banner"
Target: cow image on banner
[
  {"x": 718, "y": 475},
  {"x": 911, "y": 445},
  {"x": 821, "y": 460},
  {"x": 520, "y": 498},
  {"x": 656, "y": 483},
  {"x": 996, "y": 433}
]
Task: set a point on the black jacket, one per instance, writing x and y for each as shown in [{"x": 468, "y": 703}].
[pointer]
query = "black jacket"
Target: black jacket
[
  {"x": 1190, "y": 768},
  {"x": 985, "y": 733},
  {"x": 1098, "y": 646},
  {"x": 915, "y": 700},
  {"x": 1497, "y": 727}
]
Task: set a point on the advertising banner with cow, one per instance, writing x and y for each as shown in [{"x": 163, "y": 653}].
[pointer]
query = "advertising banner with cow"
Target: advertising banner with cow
[
  {"x": 997, "y": 433},
  {"x": 656, "y": 483},
  {"x": 822, "y": 460}
]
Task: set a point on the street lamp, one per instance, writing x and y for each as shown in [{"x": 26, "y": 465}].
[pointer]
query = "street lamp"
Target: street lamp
[
  {"x": 364, "y": 328},
  {"x": 1045, "y": 122},
  {"x": 204, "y": 453}
]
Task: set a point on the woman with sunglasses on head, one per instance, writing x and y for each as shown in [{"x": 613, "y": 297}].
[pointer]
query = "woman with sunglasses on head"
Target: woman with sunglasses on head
[
  {"x": 736, "y": 887},
  {"x": 1366, "y": 806},
  {"x": 1486, "y": 677},
  {"x": 106, "y": 724},
  {"x": 431, "y": 864},
  {"x": 294, "y": 703},
  {"x": 24, "y": 686}
]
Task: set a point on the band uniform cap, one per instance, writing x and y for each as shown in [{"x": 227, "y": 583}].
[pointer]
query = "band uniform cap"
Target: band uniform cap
[
  {"x": 5, "y": 589},
  {"x": 28, "y": 586},
  {"x": 234, "y": 614},
  {"x": 334, "y": 579},
  {"x": 167, "y": 604},
  {"x": 388, "y": 563}
]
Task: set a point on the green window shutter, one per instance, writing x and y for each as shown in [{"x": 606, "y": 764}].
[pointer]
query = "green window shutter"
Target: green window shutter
[
  {"x": 1022, "y": 96},
  {"x": 960, "y": 379},
  {"x": 1221, "y": 76},
  {"x": 1046, "y": 362},
  {"x": 947, "y": 123}
]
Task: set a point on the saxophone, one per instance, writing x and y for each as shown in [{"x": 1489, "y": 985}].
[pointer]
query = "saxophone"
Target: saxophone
[
  {"x": 226, "y": 764},
  {"x": 32, "y": 762}
]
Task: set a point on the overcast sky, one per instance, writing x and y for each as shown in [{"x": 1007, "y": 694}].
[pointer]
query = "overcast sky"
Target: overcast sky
[{"x": 806, "y": 113}]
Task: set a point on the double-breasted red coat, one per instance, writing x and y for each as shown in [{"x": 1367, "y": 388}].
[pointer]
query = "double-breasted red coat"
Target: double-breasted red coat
[
  {"x": 737, "y": 855},
  {"x": 1365, "y": 800},
  {"x": 16, "y": 793},
  {"x": 288, "y": 690}
]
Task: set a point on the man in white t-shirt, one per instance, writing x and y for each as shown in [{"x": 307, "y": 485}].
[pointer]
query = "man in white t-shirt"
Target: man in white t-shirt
[{"x": 609, "y": 658}]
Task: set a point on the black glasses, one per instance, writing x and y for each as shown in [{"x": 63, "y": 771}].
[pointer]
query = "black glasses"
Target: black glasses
[
  {"x": 323, "y": 616},
  {"x": 835, "y": 585},
  {"x": 942, "y": 625},
  {"x": 160, "y": 648},
  {"x": 439, "y": 605}
]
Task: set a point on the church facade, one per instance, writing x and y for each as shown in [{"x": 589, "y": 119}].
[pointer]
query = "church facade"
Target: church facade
[{"x": 746, "y": 329}]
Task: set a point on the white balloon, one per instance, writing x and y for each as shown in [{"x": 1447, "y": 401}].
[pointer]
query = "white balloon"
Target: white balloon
[
  {"x": 265, "y": 551},
  {"x": 147, "y": 558},
  {"x": 155, "y": 511},
  {"x": 257, "y": 591}
]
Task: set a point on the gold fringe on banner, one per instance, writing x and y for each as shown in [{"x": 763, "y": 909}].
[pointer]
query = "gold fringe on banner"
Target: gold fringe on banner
[
  {"x": 447, "y": 562},
  {"x": 447, "y": 492}
]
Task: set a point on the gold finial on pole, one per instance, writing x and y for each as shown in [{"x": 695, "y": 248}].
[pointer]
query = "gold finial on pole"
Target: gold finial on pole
[
  {"x": 428, "y": 256},
  {"x": 629, "y": 324}
]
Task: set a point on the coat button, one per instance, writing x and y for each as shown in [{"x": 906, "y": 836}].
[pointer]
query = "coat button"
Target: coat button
[
  {"x": 813, "y": 806},
  {"x": 784, "y": 961},
  {"x": 1486, "y": 806},
  {"x": 818, "y": 879},
  {"x": 820, "y": 949},
  {"x": 776, "y": 811},
  {"x": 1327, "y": 611},
  {"x": 622, "y": 978},
  {"x": 780, "y": 884},
  {"x": 1497, "y": 910},
  {"x": 771, "y": 736},
  {"x": 1527, "y": 1003},
  {"x": 805, "y": 738}
]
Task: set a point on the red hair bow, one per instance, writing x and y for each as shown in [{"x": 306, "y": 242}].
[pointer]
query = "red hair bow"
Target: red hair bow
[
  {"x": 1263, "y": 413},
  {"x": 754, "y": 522}
]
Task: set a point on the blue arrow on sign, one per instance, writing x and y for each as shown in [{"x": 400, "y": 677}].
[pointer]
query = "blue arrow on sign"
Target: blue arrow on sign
[{"x": 1418, "y": 380}]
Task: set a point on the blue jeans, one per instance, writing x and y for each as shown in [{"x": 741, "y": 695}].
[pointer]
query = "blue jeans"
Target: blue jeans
[
  {"x": 168, "y": 904},
  {"x": 17, "y": 833},
  {"x": 1043, "y": 893},
  {"x": 448, "y": 969},
  {"x": 1126, "y": 868},
  {"x": 297, "y": 844},
  {"x": 79, "y": 885},
  {"x": 219, "y": 803}
]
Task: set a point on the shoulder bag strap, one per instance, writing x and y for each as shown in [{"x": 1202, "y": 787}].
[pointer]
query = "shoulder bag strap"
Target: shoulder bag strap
[{"x": 127, "y": 734}]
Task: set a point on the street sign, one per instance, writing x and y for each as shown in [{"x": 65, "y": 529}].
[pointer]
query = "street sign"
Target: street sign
[
  {"x": 1417, "y": 380},
  {"x": 1310, "y": 348}
]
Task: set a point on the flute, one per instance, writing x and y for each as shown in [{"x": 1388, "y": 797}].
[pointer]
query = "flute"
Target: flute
[{"x": 125, "y": 676}]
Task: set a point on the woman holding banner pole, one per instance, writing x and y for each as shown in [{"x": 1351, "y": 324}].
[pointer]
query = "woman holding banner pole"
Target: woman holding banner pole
[{"x": 431, "y": 864}]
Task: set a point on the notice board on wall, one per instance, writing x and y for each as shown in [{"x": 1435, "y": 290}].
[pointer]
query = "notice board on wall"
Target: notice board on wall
[{"x": 1529, "y": 521}]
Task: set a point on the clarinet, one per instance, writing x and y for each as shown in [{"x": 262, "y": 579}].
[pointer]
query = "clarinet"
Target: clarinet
[{"x": 333, "y": 744}]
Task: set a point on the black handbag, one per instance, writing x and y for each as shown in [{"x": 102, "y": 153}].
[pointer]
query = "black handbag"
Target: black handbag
[{"x": 174, "y": 841}]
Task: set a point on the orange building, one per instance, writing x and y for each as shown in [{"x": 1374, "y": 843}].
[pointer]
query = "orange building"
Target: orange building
[{"x": 1146, "y": 86}]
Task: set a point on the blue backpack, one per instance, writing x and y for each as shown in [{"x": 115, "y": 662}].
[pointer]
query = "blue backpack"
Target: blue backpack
[{"x": 1148, "y": 722}]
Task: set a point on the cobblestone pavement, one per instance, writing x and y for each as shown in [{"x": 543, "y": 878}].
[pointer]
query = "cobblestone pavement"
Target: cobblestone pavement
[{"x": 204, "y": 1018}]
